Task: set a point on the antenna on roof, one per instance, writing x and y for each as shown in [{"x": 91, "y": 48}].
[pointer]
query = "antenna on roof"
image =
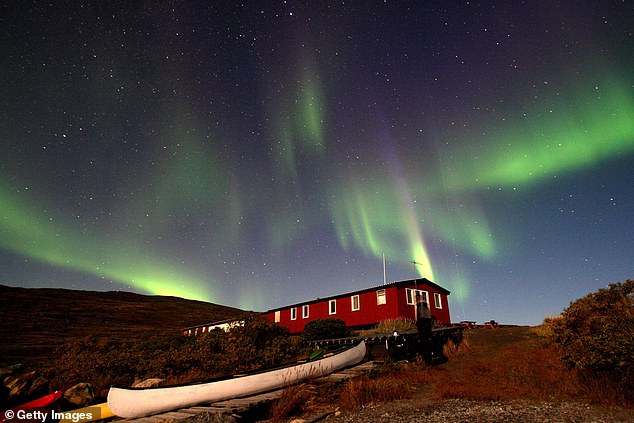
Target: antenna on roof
[{"x": 415, "y": 263}]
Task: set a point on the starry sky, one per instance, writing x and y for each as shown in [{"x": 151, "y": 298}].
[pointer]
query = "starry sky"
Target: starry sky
[{"x": 257, "y": 154}]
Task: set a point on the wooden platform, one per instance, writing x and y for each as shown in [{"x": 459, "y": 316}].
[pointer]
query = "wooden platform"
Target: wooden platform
[
  {"x": 224, "y": 410},
  {"x": 411, "y": 335}
]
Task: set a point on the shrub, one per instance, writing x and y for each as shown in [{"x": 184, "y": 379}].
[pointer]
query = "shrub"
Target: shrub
[
  {"x": 597, "y": 331},
  {"x": 260, "y": 343},
  {"x": 181, "y": 359},
  {"x": 395, "y": 325},
  {"x": 325, "y": 329},
  {"x": 596, "y": 335}
]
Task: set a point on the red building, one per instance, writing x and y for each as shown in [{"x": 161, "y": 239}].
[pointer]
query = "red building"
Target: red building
[{"x": 367, "y": 307}]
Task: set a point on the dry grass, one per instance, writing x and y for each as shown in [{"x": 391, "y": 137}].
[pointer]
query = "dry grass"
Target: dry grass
[
  {"x": 364, "y": 390},
  {"x": 294, "y": 401},
  {"x": 501, "y": 364},
  {"x": 545, "y": 330},
  {"x": 517, "y": 372},
  {"x": 522, "y": 364},
  {"x": 393, "y": 384},
  {"x": 453, "y": 350},
  {"x": 390, "y": 326},
  {"x": 613, "y": 388}
]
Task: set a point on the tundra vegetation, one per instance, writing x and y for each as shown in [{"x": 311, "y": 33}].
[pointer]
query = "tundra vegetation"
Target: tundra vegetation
[
  {"x": 596, "y": 337},
  {"x": 325, "y": 329},
  {"x": 258, "y": 344}
]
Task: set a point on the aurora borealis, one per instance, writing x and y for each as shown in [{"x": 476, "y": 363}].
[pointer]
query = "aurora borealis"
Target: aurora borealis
[{"x": 262, "y": 153}]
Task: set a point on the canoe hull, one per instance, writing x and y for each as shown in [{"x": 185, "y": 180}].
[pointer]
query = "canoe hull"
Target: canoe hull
[{"x": 130, "y": 403}]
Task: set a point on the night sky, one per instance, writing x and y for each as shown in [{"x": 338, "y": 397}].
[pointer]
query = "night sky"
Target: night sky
[{"x": 260, "y": 154}]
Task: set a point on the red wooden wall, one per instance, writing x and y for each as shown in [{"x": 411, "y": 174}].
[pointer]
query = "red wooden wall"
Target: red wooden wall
[{"x": 369, "y": 312}]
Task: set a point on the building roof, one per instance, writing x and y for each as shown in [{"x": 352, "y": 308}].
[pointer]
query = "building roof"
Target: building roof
[{"x": 398, "y": 284}]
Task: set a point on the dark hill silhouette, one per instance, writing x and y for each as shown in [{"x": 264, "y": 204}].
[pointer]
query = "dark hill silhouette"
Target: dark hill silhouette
[{"x": 34, "y": 321}]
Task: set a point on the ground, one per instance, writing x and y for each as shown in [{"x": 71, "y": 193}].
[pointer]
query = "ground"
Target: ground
[{"x": 477, "y": 368}]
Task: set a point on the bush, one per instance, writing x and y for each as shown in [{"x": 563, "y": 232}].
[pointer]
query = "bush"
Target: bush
[
  {"x": 325, "y": 329},
  {"x": 596, "y": 335},
  {"x": 181, "y": 359},
  {"x": 260, "y": 343},
  {"x": 597, "y": 331},
  {"x": 394, "y": 325}
]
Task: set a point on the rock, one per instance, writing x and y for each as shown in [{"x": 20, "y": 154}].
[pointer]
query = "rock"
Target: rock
[
  {"x": 39, "y": 387},
  {"x": 80, "y": 395},
  {"x": 18, "y": 385},
  {"x": 148, "y": 383},
  {"x": 9, "y": 370}
]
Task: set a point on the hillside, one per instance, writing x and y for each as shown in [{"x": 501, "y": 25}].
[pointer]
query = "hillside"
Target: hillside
[{"x": 34, "y": 321}]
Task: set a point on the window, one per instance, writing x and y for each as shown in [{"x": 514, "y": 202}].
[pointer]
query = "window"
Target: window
[
  {"x": 411, "y": 295},
  {"x": 380, "y": 297},
  {"x": 305, "y": 311},
  {"x": 277, "y": 316},
  {"x": 425, "y": 296},
  {"x": 437, "y": 300},
  {"x": 294, "y": 313},
  {"x": 332, "y": 307},
  {"x": 355, "y": 303}
]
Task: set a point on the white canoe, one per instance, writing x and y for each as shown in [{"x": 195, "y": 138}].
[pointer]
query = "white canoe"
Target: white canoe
[{"x": 130, "y": 402}]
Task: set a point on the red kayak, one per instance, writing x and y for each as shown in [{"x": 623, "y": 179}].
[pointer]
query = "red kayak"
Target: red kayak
[{"x": 45, "y": 403}]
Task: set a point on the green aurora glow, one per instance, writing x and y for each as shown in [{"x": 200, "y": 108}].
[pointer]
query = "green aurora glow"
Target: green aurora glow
[
  {"x": 44, "y": 239},
  {"x": 369, "y": 212},
  {"x": 377, "y": 220},
  {"x": 581, "y": 130}
]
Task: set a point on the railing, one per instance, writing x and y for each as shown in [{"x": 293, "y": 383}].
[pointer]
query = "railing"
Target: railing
[{"x": 412, "y": 336}]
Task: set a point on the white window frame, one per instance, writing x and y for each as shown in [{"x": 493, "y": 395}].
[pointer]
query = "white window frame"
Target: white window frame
[
  {"x": 358, "y": 303},
  {"x": 381, "y": 297},
  {"x": 410, "y": 295},
  {"x": 294, "y": 313},
  {"x": 305, "y": 311},
  {"x": 278, "y": 316},
  {"x": 425, "y": 296},
  {"x": 438, "y": 300},
  {"x": 332, "y": 307}
]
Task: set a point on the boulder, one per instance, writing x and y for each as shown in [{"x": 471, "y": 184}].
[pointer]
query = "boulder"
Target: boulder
[{"x": 80, "y": 395}]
